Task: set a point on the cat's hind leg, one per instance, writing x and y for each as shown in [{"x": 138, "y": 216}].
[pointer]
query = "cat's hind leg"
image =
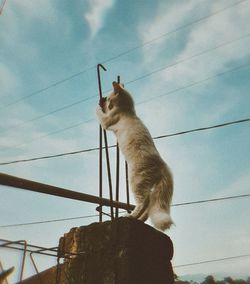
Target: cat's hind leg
[{"x": 141, "y": 194}]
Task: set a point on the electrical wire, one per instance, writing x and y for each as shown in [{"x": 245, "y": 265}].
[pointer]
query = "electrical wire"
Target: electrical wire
[
  {"x": 240, "y": 196},
  {"x": 186, "y": 59},
  {"x": 113, "y": 146},
  {"x": 203, "y": 128},
  {"x": 194, "y": 83},
  {"x": 48, "y": 221},
  {"x": 55, "y": 249},
  {"x": 124, "y": 53},
  {"x": 212, "y": 200},
  {"x": 144, "y": 101},
  {"x": 212, "y": 260},
  {"x": 134, "y": 80},
  {"x": 45, "y": 115},
  {"x": 174, "y": 64}
]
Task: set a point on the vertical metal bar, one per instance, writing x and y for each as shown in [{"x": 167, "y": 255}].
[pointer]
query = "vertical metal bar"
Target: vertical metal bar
[
  {"x": 24, "y": 257},
  {"x": 100, "y": 142},
  {"x": 106, "y": 145},
  {"x": 127, "y": 183},
  {"x": 109, "y": 175},
  {"x": 60, "y": 253},
  {"x": 100, "y": 171},
  {"x": 117, "y": 170},
  {"x": 37, "y": 271},
  {"x": 117, "y": 178},
  {"x": 58, "y": 271}
]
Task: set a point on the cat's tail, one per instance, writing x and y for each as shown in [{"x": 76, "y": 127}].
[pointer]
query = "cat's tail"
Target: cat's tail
[{"x": 160, "y": 199}]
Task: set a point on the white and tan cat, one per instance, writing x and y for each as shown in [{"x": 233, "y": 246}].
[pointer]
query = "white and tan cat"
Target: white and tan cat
[{"x": 149, "y": 176}]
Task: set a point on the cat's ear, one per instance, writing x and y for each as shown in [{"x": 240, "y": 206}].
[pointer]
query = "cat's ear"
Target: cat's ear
[{"x": 117, "y": 87}]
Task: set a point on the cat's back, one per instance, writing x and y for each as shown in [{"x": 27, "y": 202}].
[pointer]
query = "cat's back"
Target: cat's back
[
  {"x": 133, "y": 136},
  {"x": 131, "y": 127}
]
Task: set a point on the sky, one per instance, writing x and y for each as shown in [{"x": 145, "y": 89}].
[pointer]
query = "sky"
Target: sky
[{"x": 186, "y": 63}]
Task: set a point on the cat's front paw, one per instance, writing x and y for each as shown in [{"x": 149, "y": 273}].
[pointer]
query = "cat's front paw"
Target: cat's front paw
[{"x": 102, "y": 102}]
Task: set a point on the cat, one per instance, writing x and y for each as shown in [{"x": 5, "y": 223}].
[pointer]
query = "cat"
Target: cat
[
  {"x": 4, "y": 274},
  {"x": 149, "y": 177}
]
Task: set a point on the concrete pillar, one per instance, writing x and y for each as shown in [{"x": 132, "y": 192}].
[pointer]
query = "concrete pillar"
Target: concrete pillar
[{"x": 125, "y": 251}]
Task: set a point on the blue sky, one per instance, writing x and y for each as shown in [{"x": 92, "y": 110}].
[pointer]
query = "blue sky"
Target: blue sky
[{"x": 44, "y": 42}]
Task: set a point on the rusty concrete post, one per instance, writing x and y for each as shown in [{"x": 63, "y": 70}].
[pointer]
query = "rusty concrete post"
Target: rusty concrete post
[{"x": 124, "y": 251}]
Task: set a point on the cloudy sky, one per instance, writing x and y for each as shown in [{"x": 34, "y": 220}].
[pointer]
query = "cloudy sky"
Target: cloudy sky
[{"x": 186, "y": 64}]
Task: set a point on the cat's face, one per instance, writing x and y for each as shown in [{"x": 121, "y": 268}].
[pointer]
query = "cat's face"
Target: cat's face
[{"x": 119, "y": 99}]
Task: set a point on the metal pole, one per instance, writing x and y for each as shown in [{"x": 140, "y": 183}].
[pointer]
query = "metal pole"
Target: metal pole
[
  {"x": 100, "y": 141},
  {"x": 100, "y": 171},
  {"x": 30, "y": 185},
  {"x": 117, "y": 170},
  {"x": 106, "y": 147},
  {"x": 127, "y": 185}
]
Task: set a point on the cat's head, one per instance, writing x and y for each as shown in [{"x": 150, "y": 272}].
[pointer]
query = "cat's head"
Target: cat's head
[{"x": 120, "y": 99}]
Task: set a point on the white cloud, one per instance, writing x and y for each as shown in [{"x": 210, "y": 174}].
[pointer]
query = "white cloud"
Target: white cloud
[
  {"x": 96, "y": 14},
  {"x": 41, "y": 9},
  {"x": 8, "y": 81},
  {"x": 239, "y": 186},
  {"x": 167, "y": 19},
  {"x": 214, "y": 31}
]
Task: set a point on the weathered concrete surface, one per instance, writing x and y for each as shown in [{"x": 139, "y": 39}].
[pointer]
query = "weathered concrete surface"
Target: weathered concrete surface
[{"x": 125, "y": 251}]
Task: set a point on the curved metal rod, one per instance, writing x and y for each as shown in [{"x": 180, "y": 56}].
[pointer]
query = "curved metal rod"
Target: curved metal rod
[{"x": 100, "y": 66}]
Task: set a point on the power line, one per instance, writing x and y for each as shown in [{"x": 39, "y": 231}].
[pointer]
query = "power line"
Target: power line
[
  {"x": 49, "y": 134},
  {"x": 144, "y": 101},
  {"x": 52, "y": 156},
  {"x": 49, "y": 221},
  {"x": 186, "y": 59},
  {"x": 212, "y": 200},
  {"x": 137, "y": 79},
  {"x": 124, "y": 53},
  {"x": 212, "y": 260},
  {"x": 112, "y": 146},
  {"x": 203, "y": 128},
  {"x": 174, "y": 31},
  {"x": 134, "y": 80},
  {"x": 46, "y": 114},
  {"x": 195, "y": 83},
  {"x": 96, "y": 215}
]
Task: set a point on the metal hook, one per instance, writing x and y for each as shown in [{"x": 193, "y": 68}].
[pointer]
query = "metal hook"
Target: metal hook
[{"x": 99, "y": 66}]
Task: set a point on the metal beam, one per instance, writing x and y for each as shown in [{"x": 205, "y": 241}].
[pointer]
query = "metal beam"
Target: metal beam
[{"x": 16, "y": 182}]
